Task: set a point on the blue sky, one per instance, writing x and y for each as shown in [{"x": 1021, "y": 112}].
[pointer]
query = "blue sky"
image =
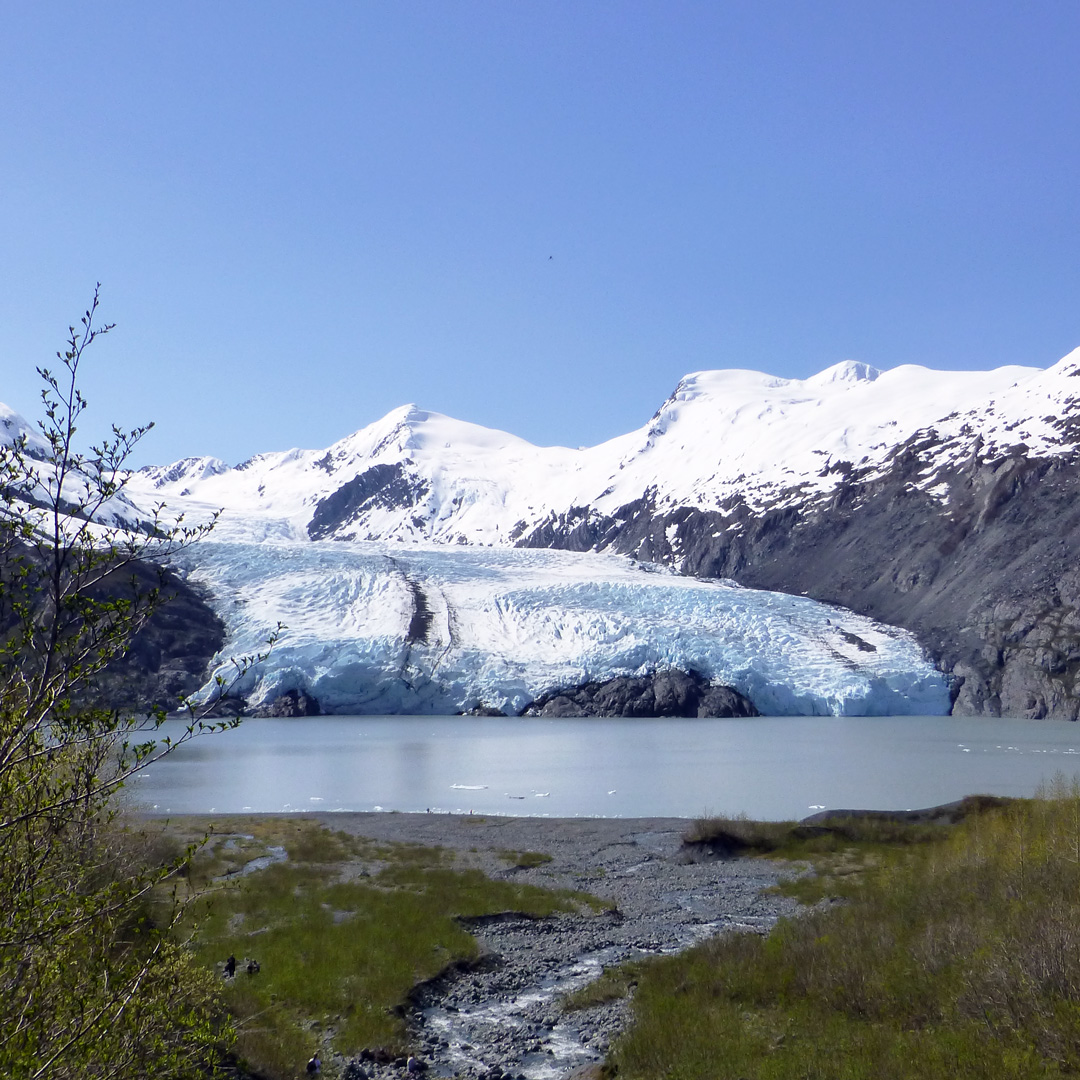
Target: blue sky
[{"x": 531, "y": 214}]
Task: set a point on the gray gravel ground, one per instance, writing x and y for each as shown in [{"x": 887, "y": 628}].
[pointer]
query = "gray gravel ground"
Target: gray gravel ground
[{"x": 504, "y": 1018}]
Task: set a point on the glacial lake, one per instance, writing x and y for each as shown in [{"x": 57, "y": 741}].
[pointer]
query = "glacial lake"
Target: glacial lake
[{"x": 766, "y": 767}]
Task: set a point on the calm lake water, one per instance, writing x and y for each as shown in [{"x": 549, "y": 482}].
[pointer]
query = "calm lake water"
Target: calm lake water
[{"x": 767, "y": 767}]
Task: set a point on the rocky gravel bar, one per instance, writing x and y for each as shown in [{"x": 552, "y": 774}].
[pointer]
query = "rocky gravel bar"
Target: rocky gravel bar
[{"x": 503, "y": 1018}]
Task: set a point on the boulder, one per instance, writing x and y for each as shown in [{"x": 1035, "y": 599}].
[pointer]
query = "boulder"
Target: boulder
[
  {"x": 662, "y": 693},
  {"x": 291, "y": 703}
]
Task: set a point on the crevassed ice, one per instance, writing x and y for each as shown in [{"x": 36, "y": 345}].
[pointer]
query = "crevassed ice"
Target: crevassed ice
[{"x": 503, "y": 626}]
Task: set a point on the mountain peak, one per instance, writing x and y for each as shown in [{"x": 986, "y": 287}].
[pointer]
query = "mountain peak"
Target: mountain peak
[
  {"x": 849, "y": 371},
  {"x": 13, "y": 426}
]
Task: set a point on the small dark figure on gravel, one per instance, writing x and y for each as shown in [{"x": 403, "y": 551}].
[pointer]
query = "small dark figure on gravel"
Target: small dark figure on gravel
[
  {"x": 412, "y": 1066},
  {"x": 230, "y": 967},
  {"x": 253, "y": 967},
  {"x": 314, "y": 1065}
]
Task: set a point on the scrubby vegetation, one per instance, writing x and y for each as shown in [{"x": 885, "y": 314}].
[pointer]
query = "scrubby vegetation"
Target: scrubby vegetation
[
  {"x": 829, "y": 833},
  {"x": 954, "y": 956},
  {"x": 92, "y": 981}
]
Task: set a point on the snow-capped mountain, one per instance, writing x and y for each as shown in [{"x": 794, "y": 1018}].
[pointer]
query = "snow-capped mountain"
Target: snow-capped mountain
[
  {"x": 37, "y": 464},
  {"x": 14, "y": 427},
  {"x": 723, "y": 437},
  {"x": 941, "y": 502}
]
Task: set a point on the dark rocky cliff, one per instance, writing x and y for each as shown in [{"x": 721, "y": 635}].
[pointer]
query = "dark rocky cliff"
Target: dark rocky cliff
[
  {"x": 987, "y": 577},
  {"x": 170, "y": 656}
]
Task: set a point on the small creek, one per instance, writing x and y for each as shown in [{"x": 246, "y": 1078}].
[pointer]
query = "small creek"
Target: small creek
[
  {"x": 526, "y": 1032},
  {"x": 503, "y": 1017}
]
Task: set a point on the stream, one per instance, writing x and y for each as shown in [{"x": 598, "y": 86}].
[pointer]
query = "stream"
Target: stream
[{"x": 502, "y": 1018}]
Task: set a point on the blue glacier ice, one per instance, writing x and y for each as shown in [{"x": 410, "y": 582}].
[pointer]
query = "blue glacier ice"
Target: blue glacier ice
[{"x": 388, "y": 627}]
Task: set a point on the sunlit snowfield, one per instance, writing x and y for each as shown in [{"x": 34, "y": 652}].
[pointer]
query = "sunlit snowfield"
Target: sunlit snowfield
[{"x": 767, "y": 767}]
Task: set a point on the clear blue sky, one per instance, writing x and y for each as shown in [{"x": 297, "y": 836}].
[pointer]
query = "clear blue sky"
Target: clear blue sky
[{"x": 535, "y": 215}]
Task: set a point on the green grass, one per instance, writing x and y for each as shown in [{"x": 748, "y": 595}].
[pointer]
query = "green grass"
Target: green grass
[
  {"x": 523, "y": 860},
  {"x": 955, "y": 955},
  {"x": 343, "y": 931},
  {"x": 613, "y": 984}
]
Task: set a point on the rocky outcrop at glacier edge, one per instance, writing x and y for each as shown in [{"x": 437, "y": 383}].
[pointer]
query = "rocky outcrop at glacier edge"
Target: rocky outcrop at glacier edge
[{"x": 661, "y": 693}]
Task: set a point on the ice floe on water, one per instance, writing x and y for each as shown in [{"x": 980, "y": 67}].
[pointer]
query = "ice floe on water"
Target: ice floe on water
[{"x": 378, "y": 628}]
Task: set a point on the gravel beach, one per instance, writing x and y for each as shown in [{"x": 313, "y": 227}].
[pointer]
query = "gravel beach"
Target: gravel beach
[{"x": 503, "y": 1018}]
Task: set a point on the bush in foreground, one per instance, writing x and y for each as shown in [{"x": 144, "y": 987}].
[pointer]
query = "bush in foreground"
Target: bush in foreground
[{"x": 92, "y": 984}]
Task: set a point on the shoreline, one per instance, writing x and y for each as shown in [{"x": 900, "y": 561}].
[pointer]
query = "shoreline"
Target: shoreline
[{"x": 502, "y": 1018}]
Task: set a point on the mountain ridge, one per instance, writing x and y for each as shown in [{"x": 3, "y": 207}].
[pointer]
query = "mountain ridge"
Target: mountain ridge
[
  {"x": 720, "y": 435},
  {"x": 939, "y": 502}
]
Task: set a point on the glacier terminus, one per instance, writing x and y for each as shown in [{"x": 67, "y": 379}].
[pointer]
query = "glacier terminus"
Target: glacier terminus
[{"x": 380, "y": 628}]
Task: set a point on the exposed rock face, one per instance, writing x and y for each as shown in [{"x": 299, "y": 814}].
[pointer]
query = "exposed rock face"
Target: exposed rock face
[
  {"x": 664, "y": 693},
  {"x": 420, "y": 623},
  {"x": 388, "y": 486},
  {"x": 170, "y": 657},
  {"x": 988, "y": 577},
  {"x": 291, "y": 703}
]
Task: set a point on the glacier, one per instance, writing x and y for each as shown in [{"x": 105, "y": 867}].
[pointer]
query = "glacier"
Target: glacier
[
  {"x": 498, "y": 627},
  {"x": 419, "y": 514}
]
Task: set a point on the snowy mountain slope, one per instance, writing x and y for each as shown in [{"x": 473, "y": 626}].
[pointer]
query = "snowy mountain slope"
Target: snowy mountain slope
[
  {"x": 966, "y": 532},
  {"x": 944, "y": 502},
  {"x": 721, "y": 436},
  {"x": 13, "y": 427},
  {"x": 117, "y": 510},
  {"x": 499, "y": 627}
]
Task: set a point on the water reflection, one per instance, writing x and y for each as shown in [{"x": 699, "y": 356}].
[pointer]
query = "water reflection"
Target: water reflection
[{"x": 772, "y": 767}]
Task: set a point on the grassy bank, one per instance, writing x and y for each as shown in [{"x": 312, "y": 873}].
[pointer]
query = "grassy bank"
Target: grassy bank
[
  {"x": 342, "y": 929},
  {"x": 954, "y": 953}
]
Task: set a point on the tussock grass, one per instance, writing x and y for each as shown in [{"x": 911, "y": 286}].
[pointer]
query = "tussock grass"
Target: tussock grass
[
  {"x": 794, "y": 840},
  {"x": 613, "y": 984},
  {"x": 343, "y": 930},
  {"x": 953, "y": 959},
  {"x": 523, "y": 860}
]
